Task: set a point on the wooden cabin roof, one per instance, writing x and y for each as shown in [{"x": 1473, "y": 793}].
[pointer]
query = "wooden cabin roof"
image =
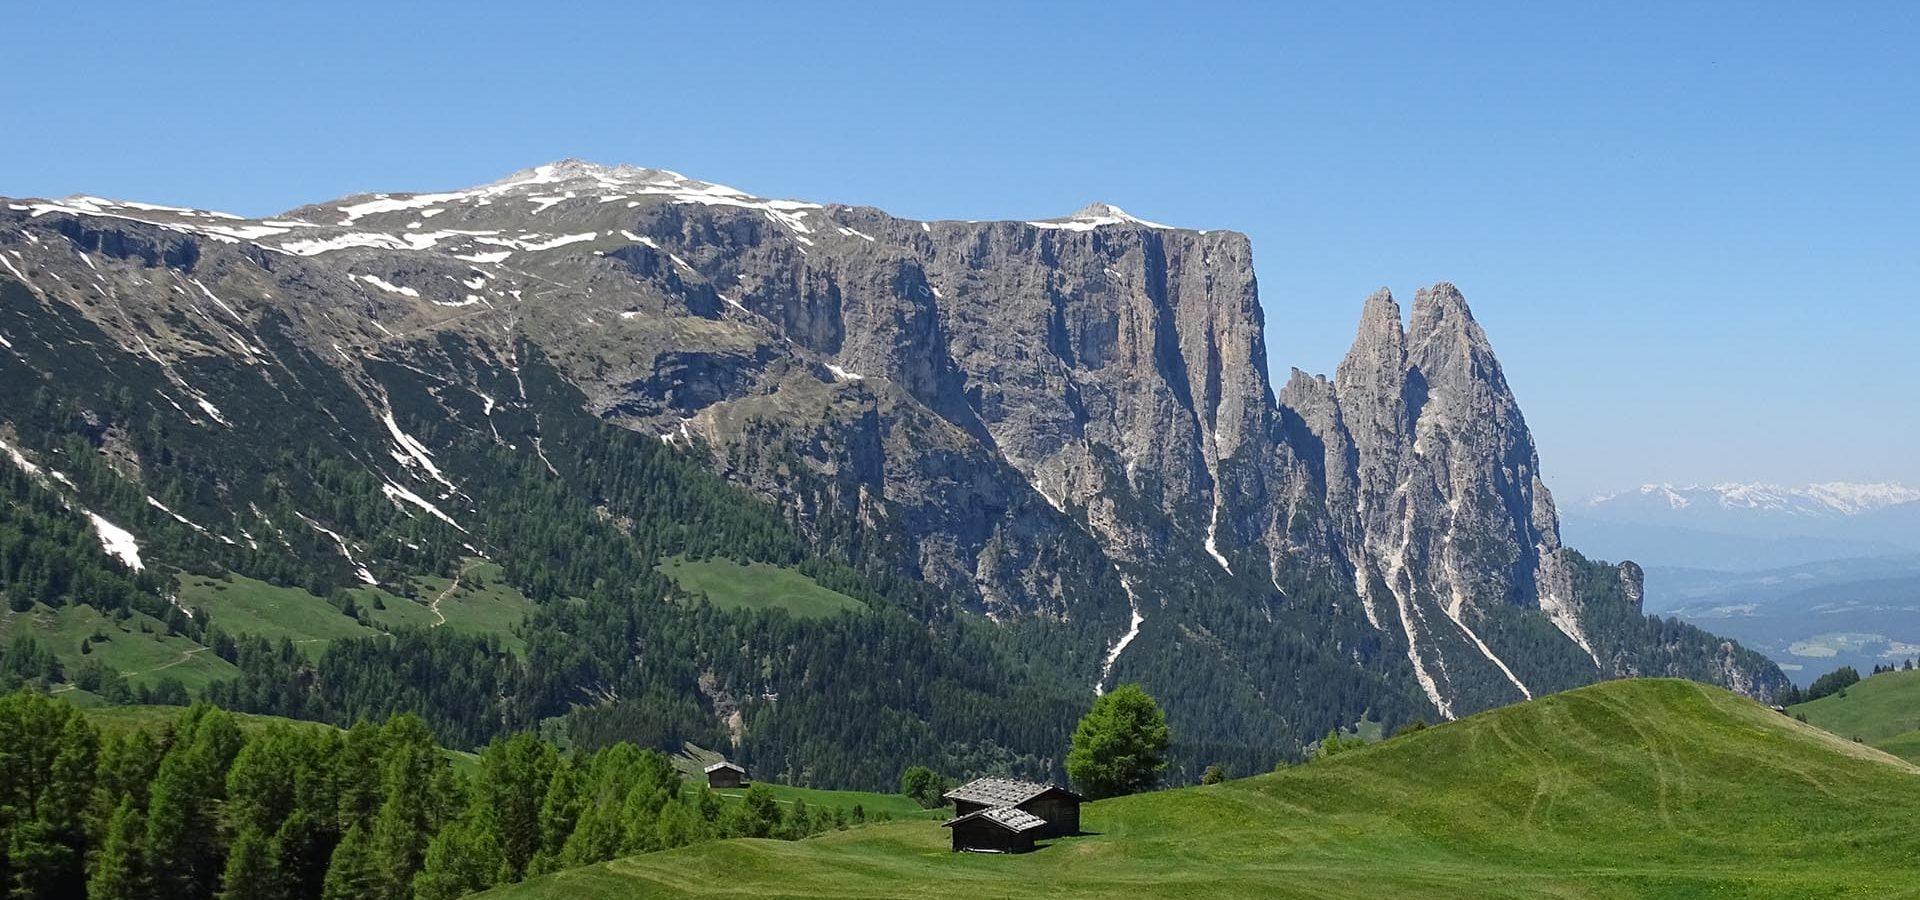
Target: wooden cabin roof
[
  {"x": 1003, "y": 791},
  {"x": 723, "y": 764},
  {"x": 1007, "y": 817}
]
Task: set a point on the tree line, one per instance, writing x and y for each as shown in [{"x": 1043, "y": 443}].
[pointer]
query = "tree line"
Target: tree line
[{"x": 211, "y": 806}]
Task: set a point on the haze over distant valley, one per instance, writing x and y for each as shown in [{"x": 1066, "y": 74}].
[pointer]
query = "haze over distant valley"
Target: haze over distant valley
[{"x": 1816, "y": 576}]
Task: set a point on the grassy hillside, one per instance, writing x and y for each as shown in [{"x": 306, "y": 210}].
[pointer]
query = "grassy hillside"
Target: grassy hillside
[
  {"x": 1626, "y": 789},
  {"x": 694, "y": 758},
  {"x": 481, "y": 602},
  {"x": 1878, "y": 707},
  {"x": 731, "y": 585},
  {"x": 1882, "y": 710},
  {"x": 137, "y": 646}
]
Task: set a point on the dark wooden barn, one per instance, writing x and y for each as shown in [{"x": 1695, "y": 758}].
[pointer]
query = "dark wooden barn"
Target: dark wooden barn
[
  {"x": 995, "y": 829},
  {"x": 724, "y": 774},
  {"x": 1006, "y": 815}
]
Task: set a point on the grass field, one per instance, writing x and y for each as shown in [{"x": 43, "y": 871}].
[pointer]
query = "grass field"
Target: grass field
[
  {"x": 479, "y": 603},
  {"x": 246, "y": 606},
  {"x": 243, "y": 605},
  {"x": 138, "y": 647},
  {"x": 1878, "y": 707},
  {"x": 693, "y": 759},
  {"x": 1882, "y": 710},
  {"x": 891, "y": 805},
  {"x": 731, "y": 585},
  {"x": 1648, "y": 788}
]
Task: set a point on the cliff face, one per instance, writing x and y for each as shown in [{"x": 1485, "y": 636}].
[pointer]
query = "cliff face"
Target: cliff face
[{"x": 1068, "y": 419}]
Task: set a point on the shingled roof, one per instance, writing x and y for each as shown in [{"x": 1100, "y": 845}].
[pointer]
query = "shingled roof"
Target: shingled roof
[
  {"x": 1001, "y": 791},
  {"x": 1007, "y": 817},
  {"x": 723, "y": 764}
]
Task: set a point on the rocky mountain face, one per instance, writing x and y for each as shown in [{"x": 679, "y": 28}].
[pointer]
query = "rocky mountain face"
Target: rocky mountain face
[{"x": 1062, "y": 424}]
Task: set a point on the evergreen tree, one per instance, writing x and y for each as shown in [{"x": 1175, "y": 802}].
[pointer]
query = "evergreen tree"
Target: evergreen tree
[
  {"x": 559, "y": 813},
  {"x": 117, "y": 871},
  {"x": 680, "y": 825},
  {"x": 514, "y": 779},
  {"x": 759, "y": 813},
  {"x": 183, "y": 850},
  {"x": 408, "y": 816},
  {"x": 1120, "y": 746},
  {"x": 361, "y": 789},
  {"x": 799, "y": 822},
  {"x": 354, "y": 873},
  {"x": 463, "y": 859},
  {"x": 300, "y": 852},
  {"x": 249, "y": 873}
]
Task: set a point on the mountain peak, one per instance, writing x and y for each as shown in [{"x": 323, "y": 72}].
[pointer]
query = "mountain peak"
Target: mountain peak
[
  {"x": 621, "y": 175},
  {"x": 1095, "y": 215}
]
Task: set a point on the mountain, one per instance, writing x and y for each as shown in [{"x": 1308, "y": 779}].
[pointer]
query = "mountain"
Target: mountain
[
  {"x": 1630, "y": 789},
  {"x": 1814, "y": 501},
  {"x": 1043, "y": 457},
  {"x": 1737, "y": 526}
]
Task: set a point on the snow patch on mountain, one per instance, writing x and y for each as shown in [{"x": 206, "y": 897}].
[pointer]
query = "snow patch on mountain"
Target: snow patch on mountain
[
  {"x": 1120, "y": 646},
  {"x": 1094, "y": 216},
  {"x": 117, "y": 541}
]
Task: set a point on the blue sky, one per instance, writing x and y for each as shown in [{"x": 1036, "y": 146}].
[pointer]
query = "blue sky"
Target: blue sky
[{"x": 1691, "y": 229}]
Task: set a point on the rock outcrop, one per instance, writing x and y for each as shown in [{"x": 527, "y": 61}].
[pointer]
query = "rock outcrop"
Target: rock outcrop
[{"x": 1068, "y": 419}]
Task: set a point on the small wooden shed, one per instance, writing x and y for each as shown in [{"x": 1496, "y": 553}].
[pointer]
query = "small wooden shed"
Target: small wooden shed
[
  {"x": 996, "y": 829},
  {"x": 724, "y": 774},
  {"x": 1006, "y": 815}
]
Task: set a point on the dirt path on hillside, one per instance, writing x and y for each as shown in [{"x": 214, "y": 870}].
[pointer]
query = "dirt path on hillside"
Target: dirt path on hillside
[{"x": 440, "y": 618}]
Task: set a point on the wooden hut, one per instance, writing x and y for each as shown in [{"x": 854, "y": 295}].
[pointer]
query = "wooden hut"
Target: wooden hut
[
  {"x": 1006, "y": 815},
  {"x": 996, "y": 829},
  {"x": 724, "y": 774}
]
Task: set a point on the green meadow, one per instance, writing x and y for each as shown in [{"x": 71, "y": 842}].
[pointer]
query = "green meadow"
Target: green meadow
[
  {"x": 137, "y": 646},
  {"x": 1882, "y": 710},
  {"x": 480, "y": 602},
  {"x": 1643, "y": 788},
  {"x": 730, "y": 585}
]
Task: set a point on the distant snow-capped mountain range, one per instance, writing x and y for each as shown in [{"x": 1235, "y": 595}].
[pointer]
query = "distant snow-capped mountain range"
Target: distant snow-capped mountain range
[
  {"x": 1823, "y": 499},
  {"x": 1747, "y": 526}
]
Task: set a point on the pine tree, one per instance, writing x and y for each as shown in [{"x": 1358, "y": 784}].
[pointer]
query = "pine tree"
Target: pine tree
[
  {"x": 183, "y": 851},
  {"x": 759, "y": 813},
  {"x": 407, "y": 817},
  {"x": 462, "y": 859},
  {"x": 559, "y": 813},
  {"x": 299, "y": 854},
  {"x": 117, "y": 870},
  {"x": 515, "y": 774},
  {"x": 361, "y": 790},
  {"x": 353, "y": 873},
  {"x": 249, "y": 873}
]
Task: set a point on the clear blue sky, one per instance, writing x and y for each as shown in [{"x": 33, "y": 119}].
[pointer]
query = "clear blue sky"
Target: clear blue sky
[{"x": 1691, "y": 229}]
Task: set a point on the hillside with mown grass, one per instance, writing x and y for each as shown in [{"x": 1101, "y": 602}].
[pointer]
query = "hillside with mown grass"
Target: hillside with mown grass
[
  {"x": 1644, "y": 788},
  {"x": 1882, "y": 710}
]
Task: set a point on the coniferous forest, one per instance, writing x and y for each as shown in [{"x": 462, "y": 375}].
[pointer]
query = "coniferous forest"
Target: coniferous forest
[{"x": 212, "y": 805}]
